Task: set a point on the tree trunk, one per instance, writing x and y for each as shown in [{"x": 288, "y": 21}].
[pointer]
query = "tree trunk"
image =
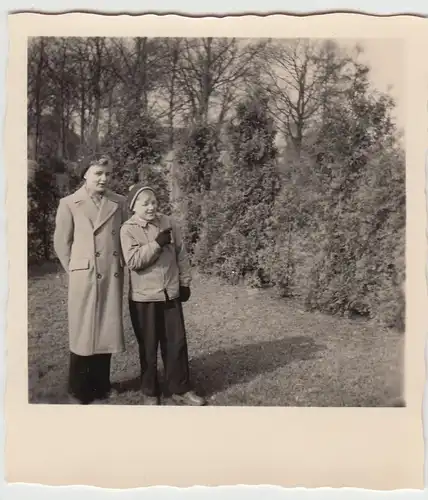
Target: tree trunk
[
  {"x": 174, "y": 63},
  {"x": 82, "y": 98},
  {"x": 62, "y": 114},
  {"x": 144, "y": 75},
  {"x": 38, "y": 110},
  {"x": 140, "y": 72},
  {"x": 96, "y": 89},
  {"x": 110, "y": 107},
  {"x": 206, "y": 80}
]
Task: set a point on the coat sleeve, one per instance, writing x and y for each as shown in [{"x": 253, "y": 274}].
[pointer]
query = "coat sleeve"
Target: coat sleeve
[
  {"x": 63, "y": 234},
  {"x": 137, "y": 255},
  {"x": 182, "y": 257}
]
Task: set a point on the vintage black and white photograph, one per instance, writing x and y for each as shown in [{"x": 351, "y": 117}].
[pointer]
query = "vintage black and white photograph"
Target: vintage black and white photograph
[{"x": 216, "y": 221}]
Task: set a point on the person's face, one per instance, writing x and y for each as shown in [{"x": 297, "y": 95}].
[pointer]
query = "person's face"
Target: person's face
[
  {"x": 97, "y": 177},
  {"x": 146, "y": 205}
]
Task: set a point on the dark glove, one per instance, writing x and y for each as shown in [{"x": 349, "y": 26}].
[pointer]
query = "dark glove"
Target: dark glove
[
  {"x": 184, "y": 293},
  {"x": 164, "y": 237}
]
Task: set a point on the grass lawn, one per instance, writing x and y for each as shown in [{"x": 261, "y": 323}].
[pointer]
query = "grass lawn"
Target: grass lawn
[{"x": 246, "y": 347}]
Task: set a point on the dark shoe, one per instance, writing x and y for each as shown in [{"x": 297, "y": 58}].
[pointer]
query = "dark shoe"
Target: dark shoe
[
  {"x": 189, "y": 398},
  {"x": 151, "y": 400}
]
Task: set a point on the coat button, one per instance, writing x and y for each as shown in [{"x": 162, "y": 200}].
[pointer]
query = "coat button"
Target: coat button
[
  {"x": 115, "y": 253},
  {"x": 113, "y": 232},
  {"x": 99, "y": 276},
  {"x": 97, "y": 254},
  {"x": 116, "y": 275}
]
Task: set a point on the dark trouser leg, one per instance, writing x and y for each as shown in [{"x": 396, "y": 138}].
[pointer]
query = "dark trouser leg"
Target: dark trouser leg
[
  {"x": 80, "y": 383},
  {"x": 143, "y": 318},
  {"x": 101, "y": 375},
  {"x": 176, "y": 361},
  {"x": 89, "y": 377},
  {"x": 160, "y": 324},
  {"x": 78, "y": 378}
]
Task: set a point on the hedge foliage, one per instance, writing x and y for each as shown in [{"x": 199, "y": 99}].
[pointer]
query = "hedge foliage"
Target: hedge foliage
[{"x": 325, "y": 226}]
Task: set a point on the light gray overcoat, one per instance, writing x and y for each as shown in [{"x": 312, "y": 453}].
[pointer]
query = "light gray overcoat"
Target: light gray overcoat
[{"x": 87, "y": 243}]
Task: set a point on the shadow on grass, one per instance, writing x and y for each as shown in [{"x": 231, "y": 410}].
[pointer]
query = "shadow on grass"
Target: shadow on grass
[{"x": 216, "y": 371}]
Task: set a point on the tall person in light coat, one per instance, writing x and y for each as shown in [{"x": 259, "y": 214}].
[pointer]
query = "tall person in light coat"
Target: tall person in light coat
[{"x": 87, "y": 243}]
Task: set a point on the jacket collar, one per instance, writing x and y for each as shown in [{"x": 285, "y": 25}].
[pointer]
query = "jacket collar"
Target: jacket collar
[
  {"x": 82, "y": 194},
  {"x": 109, "y": 205},
  {"x": 135, "y": 219}
]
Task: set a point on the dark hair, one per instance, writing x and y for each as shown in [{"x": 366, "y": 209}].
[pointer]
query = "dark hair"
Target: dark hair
[{"x": 90, "y": 160}]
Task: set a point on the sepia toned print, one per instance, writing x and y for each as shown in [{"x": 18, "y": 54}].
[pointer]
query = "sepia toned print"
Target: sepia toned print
[
  {"x": 282, "y": 160},
  {"x": 275, "y": 278}
]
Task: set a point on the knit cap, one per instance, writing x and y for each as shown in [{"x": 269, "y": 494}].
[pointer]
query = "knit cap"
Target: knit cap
[{"x": 134, "y": 192}]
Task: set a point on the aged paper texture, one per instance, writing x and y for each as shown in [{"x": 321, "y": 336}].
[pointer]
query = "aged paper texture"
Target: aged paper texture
[{"x": 372, "y": 448}]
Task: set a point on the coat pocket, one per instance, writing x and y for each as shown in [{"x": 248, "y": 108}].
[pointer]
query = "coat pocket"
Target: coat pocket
[{"x": 78, "y": 264}]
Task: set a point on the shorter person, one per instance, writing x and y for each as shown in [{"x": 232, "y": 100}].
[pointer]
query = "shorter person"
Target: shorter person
[{"x": 159, "y": 282}]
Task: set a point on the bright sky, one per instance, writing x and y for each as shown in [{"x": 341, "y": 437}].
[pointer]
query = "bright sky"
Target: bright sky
[{"x": 386, "y": 60}]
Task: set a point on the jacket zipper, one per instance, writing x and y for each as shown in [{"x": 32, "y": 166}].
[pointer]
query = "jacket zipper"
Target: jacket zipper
[{"x": 165, "y": 291}]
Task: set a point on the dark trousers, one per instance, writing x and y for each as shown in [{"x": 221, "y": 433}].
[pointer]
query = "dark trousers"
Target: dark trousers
[
  {"x": 161, "y": 324},
  {"x": 89, "y": 377}
]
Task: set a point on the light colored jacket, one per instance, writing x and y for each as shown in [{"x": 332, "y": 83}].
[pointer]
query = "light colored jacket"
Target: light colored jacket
[
  {"x": 87, "y": 243},
  {"x": 155, "y": 273}
]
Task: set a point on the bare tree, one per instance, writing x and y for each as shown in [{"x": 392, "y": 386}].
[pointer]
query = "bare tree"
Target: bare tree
[
  {"x": 36, "y": 67},
  {"x": 302, "y": 77},
  {"x": 210, "y": 71},
  {"x": 169, "y": 88}
]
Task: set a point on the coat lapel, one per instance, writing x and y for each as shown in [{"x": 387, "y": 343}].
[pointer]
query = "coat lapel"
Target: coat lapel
[
  {"x": 107, "y": 209},
  {"x": 82, "y": 200}
]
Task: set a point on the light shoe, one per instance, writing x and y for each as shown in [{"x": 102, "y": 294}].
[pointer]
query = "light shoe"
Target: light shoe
[{"x": 189, "y": 398}]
